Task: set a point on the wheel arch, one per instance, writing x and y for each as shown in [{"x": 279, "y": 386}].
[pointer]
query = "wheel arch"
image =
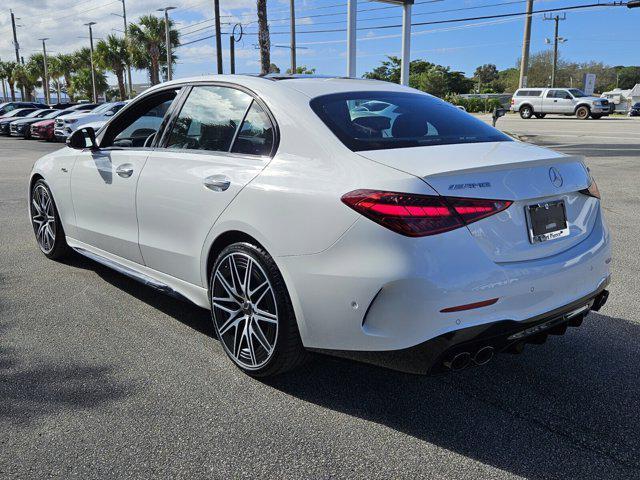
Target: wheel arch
[
  {"x": 526, "y": 104},
  {"x": 235, "y": 235},
  {"x": 582, "y": 105}
]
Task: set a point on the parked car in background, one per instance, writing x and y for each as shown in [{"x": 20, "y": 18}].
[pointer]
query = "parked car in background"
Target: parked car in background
[
  {"x": 425, "y": 235},
  {"x": 9, "y": 106},
  {"x": 635, "y": 110},
  {"x": 12, "y": 116},
  {"x": 23, "y": 126},
  {"x": 538, "y": 102},
  {"x": 67, "y": 124}
]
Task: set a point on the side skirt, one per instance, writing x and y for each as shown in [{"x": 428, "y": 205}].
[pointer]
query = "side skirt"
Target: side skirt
[{"x": 147, "y": 276}]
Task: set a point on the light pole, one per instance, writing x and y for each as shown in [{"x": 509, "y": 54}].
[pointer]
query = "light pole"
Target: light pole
[
  {"x": 47, "y": 94},
  {"x": 167, "y": 38},
  {"x": 93, "y": 68},
  {"x": 232, "y": 48}
]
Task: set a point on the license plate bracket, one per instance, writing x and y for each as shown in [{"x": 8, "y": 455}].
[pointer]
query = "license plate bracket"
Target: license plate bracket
[{"x": 546, "y": 221}]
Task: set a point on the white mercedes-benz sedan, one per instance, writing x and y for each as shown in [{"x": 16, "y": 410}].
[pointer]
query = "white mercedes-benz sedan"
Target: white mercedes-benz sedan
[{"x": 415, "y": 236}]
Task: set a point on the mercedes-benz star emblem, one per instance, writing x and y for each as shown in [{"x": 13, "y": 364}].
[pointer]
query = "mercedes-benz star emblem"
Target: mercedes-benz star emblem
[{"x": 555, "y": 177}]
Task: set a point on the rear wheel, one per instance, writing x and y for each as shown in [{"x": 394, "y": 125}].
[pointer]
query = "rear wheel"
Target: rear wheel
[
  {"x": 540, "y": 115},
  {"x": 526, "y": 112},
  {"x": 252, "y": 312},
  {"x": 46, "y": 222},
  {"x": 582, "y": 113}
]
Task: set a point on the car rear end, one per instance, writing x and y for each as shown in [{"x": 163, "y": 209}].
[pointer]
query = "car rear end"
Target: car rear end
[{"x": 488, "y": 245}]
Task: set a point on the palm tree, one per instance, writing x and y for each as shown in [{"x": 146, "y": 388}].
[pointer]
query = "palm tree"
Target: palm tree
[
  {"x": 111, "y": 54},
  {"x": 148, "y": 47},
  {"x": 66, "y": 69},
  {"x": 7, "y": 71},
  {"x": 55, "y": 72},
  {"x": 82, "y": 84},
  {"x": 27, "y": 77},
  {"x": 263, "y": 37}
]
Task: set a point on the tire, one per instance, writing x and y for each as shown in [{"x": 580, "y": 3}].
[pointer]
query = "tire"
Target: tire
[
  {"x": 540, "y": 115},
  {"x": 254, "y": 320},
  {"x": 526, "y": 112},
  {"x": 49, "y": 232},
  {"x": 596, "y": 116},
  {"x": 582, "y": 112}
]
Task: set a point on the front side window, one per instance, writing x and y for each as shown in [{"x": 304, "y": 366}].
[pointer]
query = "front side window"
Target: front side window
[
  {"x": 209, "y": 119},
  {"x": 137, "y": 126},
  {"x": 409, "y": 120}
]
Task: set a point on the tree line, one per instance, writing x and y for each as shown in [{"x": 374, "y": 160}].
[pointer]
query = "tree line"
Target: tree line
[
  {"x": 442, "y": 82},
  {"x": 70, "y": 73}
]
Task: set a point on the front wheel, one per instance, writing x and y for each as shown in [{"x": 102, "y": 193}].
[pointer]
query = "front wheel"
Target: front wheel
[
  {"x": 540, "y": 115},
  {"x": 596, "y": 116},
  {"x": 252, "y": 312},
  {"x": 582, "y": 113},
  {"x": 526, "y": 112},
  {"x": 46, "y": 222}
]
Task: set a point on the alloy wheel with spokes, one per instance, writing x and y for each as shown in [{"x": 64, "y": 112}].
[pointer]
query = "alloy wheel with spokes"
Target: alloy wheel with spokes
[
  {"x": 43, "y": 218},
  {"x": 244, "y": 310}
]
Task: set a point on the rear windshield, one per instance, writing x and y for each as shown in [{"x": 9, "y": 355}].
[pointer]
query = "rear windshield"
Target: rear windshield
[{"x": 409, "y": 120}]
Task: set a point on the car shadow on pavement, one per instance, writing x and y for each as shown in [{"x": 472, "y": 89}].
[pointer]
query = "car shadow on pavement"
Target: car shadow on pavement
[
  {"x": 565, "y": 409},
  {"x": 176, "y": 307},
  {"x": 40, "y": 390}
]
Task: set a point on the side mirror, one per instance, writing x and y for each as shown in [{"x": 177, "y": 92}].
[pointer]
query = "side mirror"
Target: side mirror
[
  {"x": 497, "y": 113},
  {"x": 83, "y": 138}
]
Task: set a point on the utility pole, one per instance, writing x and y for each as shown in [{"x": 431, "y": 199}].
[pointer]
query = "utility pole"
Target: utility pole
[
  {"x": 126, "y": 39},
  {"x": 93, "y": 68},
  {"x": 16, "y": 46},
  {"x": 524, "y": 60},
  {"x": 556, "y": 39},
  {"x": 167, "y": 38},
  {"x": 216, "y": 9},
  {"x": 352, "y": 12},
  {"x": 45, "y": 80},
  {"x": 406, "y": 43},
  {"x": 293, "y": 36}
]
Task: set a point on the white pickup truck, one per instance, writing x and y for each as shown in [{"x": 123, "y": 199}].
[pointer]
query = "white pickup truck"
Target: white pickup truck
[{"x": 538, "y": 102}]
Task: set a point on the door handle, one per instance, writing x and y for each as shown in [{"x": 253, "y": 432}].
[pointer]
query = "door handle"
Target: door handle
[
  {"x": 125, "y": 170},
  {"x": 217, "y": 183}
]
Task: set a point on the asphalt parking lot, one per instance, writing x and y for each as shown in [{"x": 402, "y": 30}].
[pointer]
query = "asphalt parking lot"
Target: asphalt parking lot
[{"x": 101, "y": 377}]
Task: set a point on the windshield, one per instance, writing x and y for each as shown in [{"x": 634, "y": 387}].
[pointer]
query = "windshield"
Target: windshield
[
  {"x": 53, "y": 114},
  {"x": 16, "y": 112},
  {"x": 102, "y": 108},
  {"x": 577, "y": 93},
  {"x": 409, "y": 120},
  {"x": 37, "y": 113}
]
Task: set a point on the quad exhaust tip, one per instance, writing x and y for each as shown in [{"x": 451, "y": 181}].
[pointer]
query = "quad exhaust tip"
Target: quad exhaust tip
[{"x": 483, "y": 356}]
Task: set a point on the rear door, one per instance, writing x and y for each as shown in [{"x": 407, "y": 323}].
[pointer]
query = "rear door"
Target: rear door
[{"x": 221, "y": 139}]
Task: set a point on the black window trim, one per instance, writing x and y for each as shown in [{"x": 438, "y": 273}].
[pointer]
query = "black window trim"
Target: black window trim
[{"x": 208, "y": 83}]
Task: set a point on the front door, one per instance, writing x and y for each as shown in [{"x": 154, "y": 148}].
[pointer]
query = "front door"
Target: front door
[{"x": 104, "y": 181}]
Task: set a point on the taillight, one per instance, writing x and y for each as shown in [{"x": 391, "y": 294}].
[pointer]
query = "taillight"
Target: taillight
[
  {"x": 592, "y": 190},
  {"x": 416, "y": 215}
]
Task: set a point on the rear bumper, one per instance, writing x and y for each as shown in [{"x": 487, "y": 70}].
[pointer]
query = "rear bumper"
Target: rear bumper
[
  {"x": 375, "y": 290},
  {"x": 475, "y": 346}
]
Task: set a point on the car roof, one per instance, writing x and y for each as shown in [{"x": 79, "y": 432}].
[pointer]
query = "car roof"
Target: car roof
[{"x": 309, "y": 85}]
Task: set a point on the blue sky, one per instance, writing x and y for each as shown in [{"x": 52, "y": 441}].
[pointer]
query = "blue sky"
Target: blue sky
[{"x": 605, "y": 34}]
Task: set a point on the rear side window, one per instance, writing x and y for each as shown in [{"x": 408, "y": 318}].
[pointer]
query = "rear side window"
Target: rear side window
[
  {"x": 409, "y": 120},
  {"x": 256, "y": 133},
  {"x": 528, "y": 93},
  {"x": 209, "y": 119}
]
